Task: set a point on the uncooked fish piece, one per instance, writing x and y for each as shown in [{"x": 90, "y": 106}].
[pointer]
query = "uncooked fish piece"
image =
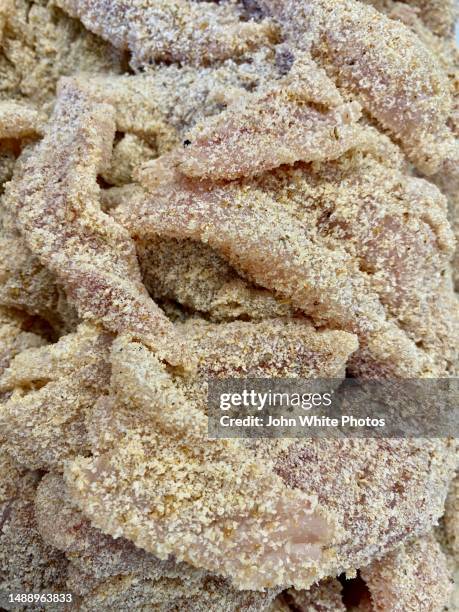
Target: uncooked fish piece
[
  {"x": 55, "y": 198},
  {"x": 43, "y": 428},
  {"x": 19, "y": 120},
  {"x": 136, "y": 382},
  {"x": 41, "y": 44},
  {"x": 48, "y": 400},
  {"x": 105, "y": 571},
  {"x": 273, "y": 348},
  {"x": 381, "y": 491},
  {"x": 194, "y": 275},
  {"x": 280, "y": 232},
  {"x": 443, "y": 48},
  {"x": 128, "y": 153},
  {"x": 438, "y": 15},
  {"x": 85, "y": 348},
  {"x": 283, "y": 123},
  {"x": 150, "y": 463},
  {"x": 412, "y": 578},
  {"x": 153, "y": 433},
  {"x": 140, "y": 379},
  {"x": 25, "y": 283},
  {"x": 16, "y": 335},
  {"x": 50, "y": 390},
  {"x": 162, "y": 104},
  {"x": 27, "y": 564},
  {"x": 397, "y": 228},
  {"x": 141, "y": 103},
  {"x": 277, "y": 347},
  {"x": 396, "y": 78},
  {"x": 64, "y": 527},
  {"x": 246, "y": 225},
  {"x": 206, "y": 502},
  {"x": 171, "y": 30}
]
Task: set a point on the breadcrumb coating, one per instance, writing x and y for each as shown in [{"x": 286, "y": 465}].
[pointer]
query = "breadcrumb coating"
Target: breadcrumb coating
[
  {"x": 273, "y": 348},
  {"x": 49, "y": 391},
  {"x": 16, "y": 335},
  {"x": 195, "y": 276},
  {"x": 25, "y": 283},
  {"x": 140, "y": 103},
  {"x": 447, "y": 179},
  {"x": 171, "y": 30},
  {"x": 92, "y": 256},
  {"x": 27, "y": 564},
  {"x": 391, "y": 477},
  {"x": 395, "y": 77},
  {"x": 233, "y": 503},
  {"x": 412, "y": 578},
  {"x": 93, "y": 472},
  {"x": 443, "y": 48},
  {"x": 109, "y": 572},
  {"x": 381, "y": 490},
  {"x": 302, "y": 117},
  {"x": 277, "y": 343},
  {"x": 295, "y": 217},
  {"x": 439, "y": 15},
  {"x": 268, "y": 229},
  {"x": 18, "y": 120},
  {"x": 41, "y": 44},
  {"x": 161, "y": 105},
  {"x": 237, "y": 506},
  {"x": 417, "y": 19}
]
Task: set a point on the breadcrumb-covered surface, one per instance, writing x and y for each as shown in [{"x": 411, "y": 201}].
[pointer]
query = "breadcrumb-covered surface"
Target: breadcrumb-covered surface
[{"x": 195, "y": 190}]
